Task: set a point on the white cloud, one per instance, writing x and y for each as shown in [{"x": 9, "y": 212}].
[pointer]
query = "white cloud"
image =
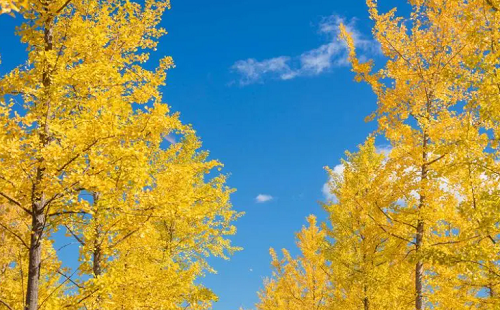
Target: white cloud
[
  {"x": 171, "y": 139},
  {"x": 261, "y": 198},
  {"x": 385, "y": 150},
  {"x": 310, "y": 63},
  {"x": 326, "y": 189}
]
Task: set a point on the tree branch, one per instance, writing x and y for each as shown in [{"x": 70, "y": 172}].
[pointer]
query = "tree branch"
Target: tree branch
[
  {"x": 63, "y": 6},
  {"x": 76, "y": 156},
  {"x": 75, "y": 236},
  {"x": 6, "y": 305},
  {"x": 68, "y": 212},
  {"x": 17, "y": 203},
  {"x": 493, "y": 6},
  {"x": 15, "y": 235}
]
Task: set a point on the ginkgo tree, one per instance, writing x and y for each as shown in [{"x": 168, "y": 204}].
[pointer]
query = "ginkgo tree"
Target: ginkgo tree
[
  {"x": 432, "y": 204},
  {"x": 420, "y": 113},
  {"x": 84, "y": 151},
  {"x": 303, "y": 282},
  {"x": 365, "y": 253}
]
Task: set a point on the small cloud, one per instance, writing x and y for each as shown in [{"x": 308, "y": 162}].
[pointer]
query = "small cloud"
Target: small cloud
[
  {"x": 171, "y": 139},
  {"x": 298, "y": 197},
  {"x": 251, "y": 270},
  {"x": 326, "y": 189},
  {"x": 384, "y": 149},
  {"x": 312, "y": 62},
  {"x": 261, "y": 198}
]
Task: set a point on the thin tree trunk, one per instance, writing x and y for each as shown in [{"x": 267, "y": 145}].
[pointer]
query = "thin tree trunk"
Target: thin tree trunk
[
  {"x": 366, "y": 301},
  {"x": 419, "y": 267},
  {"x": 491, "y": 280},
  {"x": 97, "y": 257},
  {"x": 38, "y": 201},
  {"x": 97, "y": 254},
  {"x": 35, "y": 255}
]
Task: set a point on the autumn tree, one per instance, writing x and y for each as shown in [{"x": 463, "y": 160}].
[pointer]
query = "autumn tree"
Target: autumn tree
[
  {"x": 427, "y": 110},
  {"x": 168, "y": 230},
  {"x": 365, "y": 256},
  {"x": 85, "y": 118},
  {"x": 430, "y": 208},
  {"x": 303, "y": 282}
]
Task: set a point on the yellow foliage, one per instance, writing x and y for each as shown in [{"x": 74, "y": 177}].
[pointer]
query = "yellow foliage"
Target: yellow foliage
[
  {"x": 301, "y": 283},
  {"x": 84, "y": 151},
  {"x": 419, "y": 228}
]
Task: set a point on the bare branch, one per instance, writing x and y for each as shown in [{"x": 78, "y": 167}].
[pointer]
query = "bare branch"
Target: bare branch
[
  {"x": 74, "y": 235},
  {"x": 69, "y": 162},
  {"x": 69, "y": 278},
  {"x": 388, "y": 232}
]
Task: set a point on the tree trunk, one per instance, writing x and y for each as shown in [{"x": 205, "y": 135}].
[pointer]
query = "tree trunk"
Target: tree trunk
[
  {"x": 97, "y": 254},
  {"x": 35, "y": 256},
  {"x": 419, "y": 267},
  {"x": 38, "y": 202},
  {"x": 366, "y": 301}
]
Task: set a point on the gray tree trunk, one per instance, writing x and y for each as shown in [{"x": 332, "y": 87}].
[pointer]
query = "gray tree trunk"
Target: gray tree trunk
[
  {"x": 35, "y": 254},
  {"x": 419, "y": 267},
  {"x": 38, "y": 202}
]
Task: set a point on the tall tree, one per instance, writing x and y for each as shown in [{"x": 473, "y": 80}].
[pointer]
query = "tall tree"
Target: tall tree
[
  {"x": 148, "y": 252},
  {"x": 365, "y": 256},
  {"x": 84, "y": 117},
  {"x": 420, "y": 112},
  {"x": 437, "y": 191}
]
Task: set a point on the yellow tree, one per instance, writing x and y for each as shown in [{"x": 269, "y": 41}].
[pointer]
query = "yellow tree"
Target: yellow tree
[
  {"x": 84, "y": 117},
  {"x": 14, "y": 261},
  {"x": 434, "y": 201},
  {"x": 303, "y": 282},
  {"x": 478, "y": 182},
  {"x": 148, "y": 252},
  {"x": 420, "y": 112},
  {"x": 365, "y": 255}
]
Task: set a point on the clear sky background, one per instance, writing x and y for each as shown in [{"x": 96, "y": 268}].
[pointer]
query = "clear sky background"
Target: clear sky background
[{"x": 266, "y": 85}]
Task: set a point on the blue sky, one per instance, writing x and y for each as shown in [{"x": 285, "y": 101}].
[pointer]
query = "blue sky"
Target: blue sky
[{"x": 267, "y": 88}]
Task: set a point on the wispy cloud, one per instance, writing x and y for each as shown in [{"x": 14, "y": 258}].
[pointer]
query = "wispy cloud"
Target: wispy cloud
[
  {"x": 313, "y": 62},
  {"x": 170, "y": 138},
  {"x": 251, "y": 70},
  {"x": 261, "y": 198}
]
